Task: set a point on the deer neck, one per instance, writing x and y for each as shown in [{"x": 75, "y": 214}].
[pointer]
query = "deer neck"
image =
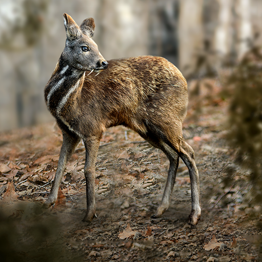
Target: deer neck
[{"x": 62, "y": 86}]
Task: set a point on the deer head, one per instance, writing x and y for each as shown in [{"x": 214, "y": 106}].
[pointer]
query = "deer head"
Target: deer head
[{"x": 81, "y": 52}]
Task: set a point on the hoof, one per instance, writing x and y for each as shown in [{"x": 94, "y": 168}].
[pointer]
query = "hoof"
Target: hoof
[
  {"x": 49, "y": 202},
  {"x": 160, "y": 210},
  {"x": 194, "y": 217},
  {"x": 89, "y": 217}
]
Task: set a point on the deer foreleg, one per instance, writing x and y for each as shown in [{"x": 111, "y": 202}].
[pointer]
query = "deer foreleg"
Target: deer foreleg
[
  {"x": 92, "y": 145},
  {"x": 68, "y": 147}
]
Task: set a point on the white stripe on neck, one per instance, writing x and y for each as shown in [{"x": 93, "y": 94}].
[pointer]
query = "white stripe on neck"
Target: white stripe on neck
[
  {"x": 58, "y": 84},
  {"x": 62, "y": 104},
  {"x": 53, "y": 89},
  {"x": 64, "y": 70},
  {"x": 65, "y": 98}
]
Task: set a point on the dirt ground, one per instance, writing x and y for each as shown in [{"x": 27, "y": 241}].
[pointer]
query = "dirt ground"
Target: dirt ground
[{"x": 130, "y": 178}]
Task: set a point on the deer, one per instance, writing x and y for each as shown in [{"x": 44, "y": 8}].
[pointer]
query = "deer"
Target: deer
[{"x": 87, "y": 94}]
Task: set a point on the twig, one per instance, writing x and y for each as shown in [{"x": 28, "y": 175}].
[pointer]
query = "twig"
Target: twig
[
  {"x": 222, "y": 197},
  {"x": 21, "y": 182},
  {"x": 241, "y": 189},
  {"x": 45, "y": 184},
  {"x": 43, "y": 192},
  {"x": 135, "y": 142},
  {"x": 106, "y": 144}
]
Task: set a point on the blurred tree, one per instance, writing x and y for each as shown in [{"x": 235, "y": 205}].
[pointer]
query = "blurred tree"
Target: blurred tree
[
  {"x": 163, "y": 29},
  {"x": 223, "y": 32},
  {"x": 245, "y": 124},
  {"x": 122, "y": 28},
  {"x": 21, "y": 23},
  {"x": 190, "y": 34},
  {"x": 22, "y": 26},
  {"x": 244, "y": 28}
]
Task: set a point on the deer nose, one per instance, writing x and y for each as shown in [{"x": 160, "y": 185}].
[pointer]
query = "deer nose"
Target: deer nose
[{"x": 104, "y": 64}]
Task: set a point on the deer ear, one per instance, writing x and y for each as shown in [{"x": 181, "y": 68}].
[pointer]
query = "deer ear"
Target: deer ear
[
  {"x": 71, "y": 28},
  {"x": 88, "y": 27}
]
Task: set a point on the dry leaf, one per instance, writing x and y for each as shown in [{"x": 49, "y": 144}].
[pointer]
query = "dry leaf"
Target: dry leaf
[
  {"x": 10, "y": 193},
  {"x": 2, "y": 189},
  {"x": 212, "y": 244},
  {"x": 98, "y": 246},
  {"x": 148, "y": 231},
  {"x": 93, "y": 254},
  {"x": 169, "y": 234},
  {"x": 12, "y": 165},
  {"x": 129, "y": 243},
  {"x": 4, "y": 168},
  {"x": 82, "y": 232},
  {"x": 182, "y": 180},
  {"x": 128, "y": 232},
  {"x": 24, "y": 176},
  {"x": 139, "y": 154},
  {"x": 125, "y": 168},
  {"x": 107, "y": 138},
  {"x": 123, "y": 155},
  {"x": 46, "y": 159},
  {"x": 171, "y": 254},
  {"x": 234, "y": 242},
  {"x": 9, "y": 176},
  {"x": 197, "y": 138},
  {"x": 166, "y": 242},
  {"x": 61, "y": 198}
]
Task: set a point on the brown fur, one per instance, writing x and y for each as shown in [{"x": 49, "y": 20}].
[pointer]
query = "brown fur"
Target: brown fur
[
  {"x": 147, "y": 94},
  {"x": 129, "y": 92}
]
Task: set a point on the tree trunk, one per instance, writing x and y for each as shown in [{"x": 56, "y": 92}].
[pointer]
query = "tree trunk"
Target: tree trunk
[
  {"x": 244, "y": 30},
  {"x": 123, "y": 28},
  {"x": 190, "y": 34}
]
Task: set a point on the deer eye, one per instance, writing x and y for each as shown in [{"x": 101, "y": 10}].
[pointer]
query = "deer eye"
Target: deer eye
[{"x": 85, "y": 48}]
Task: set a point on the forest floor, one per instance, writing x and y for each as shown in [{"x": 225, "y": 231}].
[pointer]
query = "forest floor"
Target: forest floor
[{"x": 130, "y": 178}]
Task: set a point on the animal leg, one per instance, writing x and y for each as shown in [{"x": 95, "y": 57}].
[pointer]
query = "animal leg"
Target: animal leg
[
  {"x": 68, "y": 147},
  {"x": 174, "y": 160},
  {"x": 91, "y": 145},
  {"x": 188, "y": 156}
]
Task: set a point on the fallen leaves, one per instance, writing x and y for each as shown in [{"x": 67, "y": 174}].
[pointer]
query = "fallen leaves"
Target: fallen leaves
[
  {"x": 182, "y": 180},
  {"x": 46, "y": 159},
  {"x": 12, "y": 165},
  {"x": 197, "y": 138},
  {"x": 129, "y": 183},
  {"x": 171, "y": 254},
  {"x": 4, "y": 168},
  {"x": 10, "y": 194},
  {"x": 123, "y": 155},
  {"x": 148, "y": 231},
  {"x": 234, "y": 242},
  {"x": 212, "y": 244},
  {"x": 127, "y": 232},
  {"x": 61, "y": 199}
]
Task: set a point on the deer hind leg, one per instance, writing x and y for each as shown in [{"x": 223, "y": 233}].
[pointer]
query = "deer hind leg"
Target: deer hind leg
[
  {"x": 172, "y": 144},
  {"x": 188, "y": 157},
  {"x": 69, "y": 144},
  {"x": 91, "y": 145},
  {"x": 174, "y": 160},
  {"x": 155, "y": 138}
]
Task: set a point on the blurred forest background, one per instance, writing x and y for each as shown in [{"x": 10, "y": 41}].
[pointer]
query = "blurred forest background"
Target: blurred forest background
[{"x": 32, "y": 38}]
